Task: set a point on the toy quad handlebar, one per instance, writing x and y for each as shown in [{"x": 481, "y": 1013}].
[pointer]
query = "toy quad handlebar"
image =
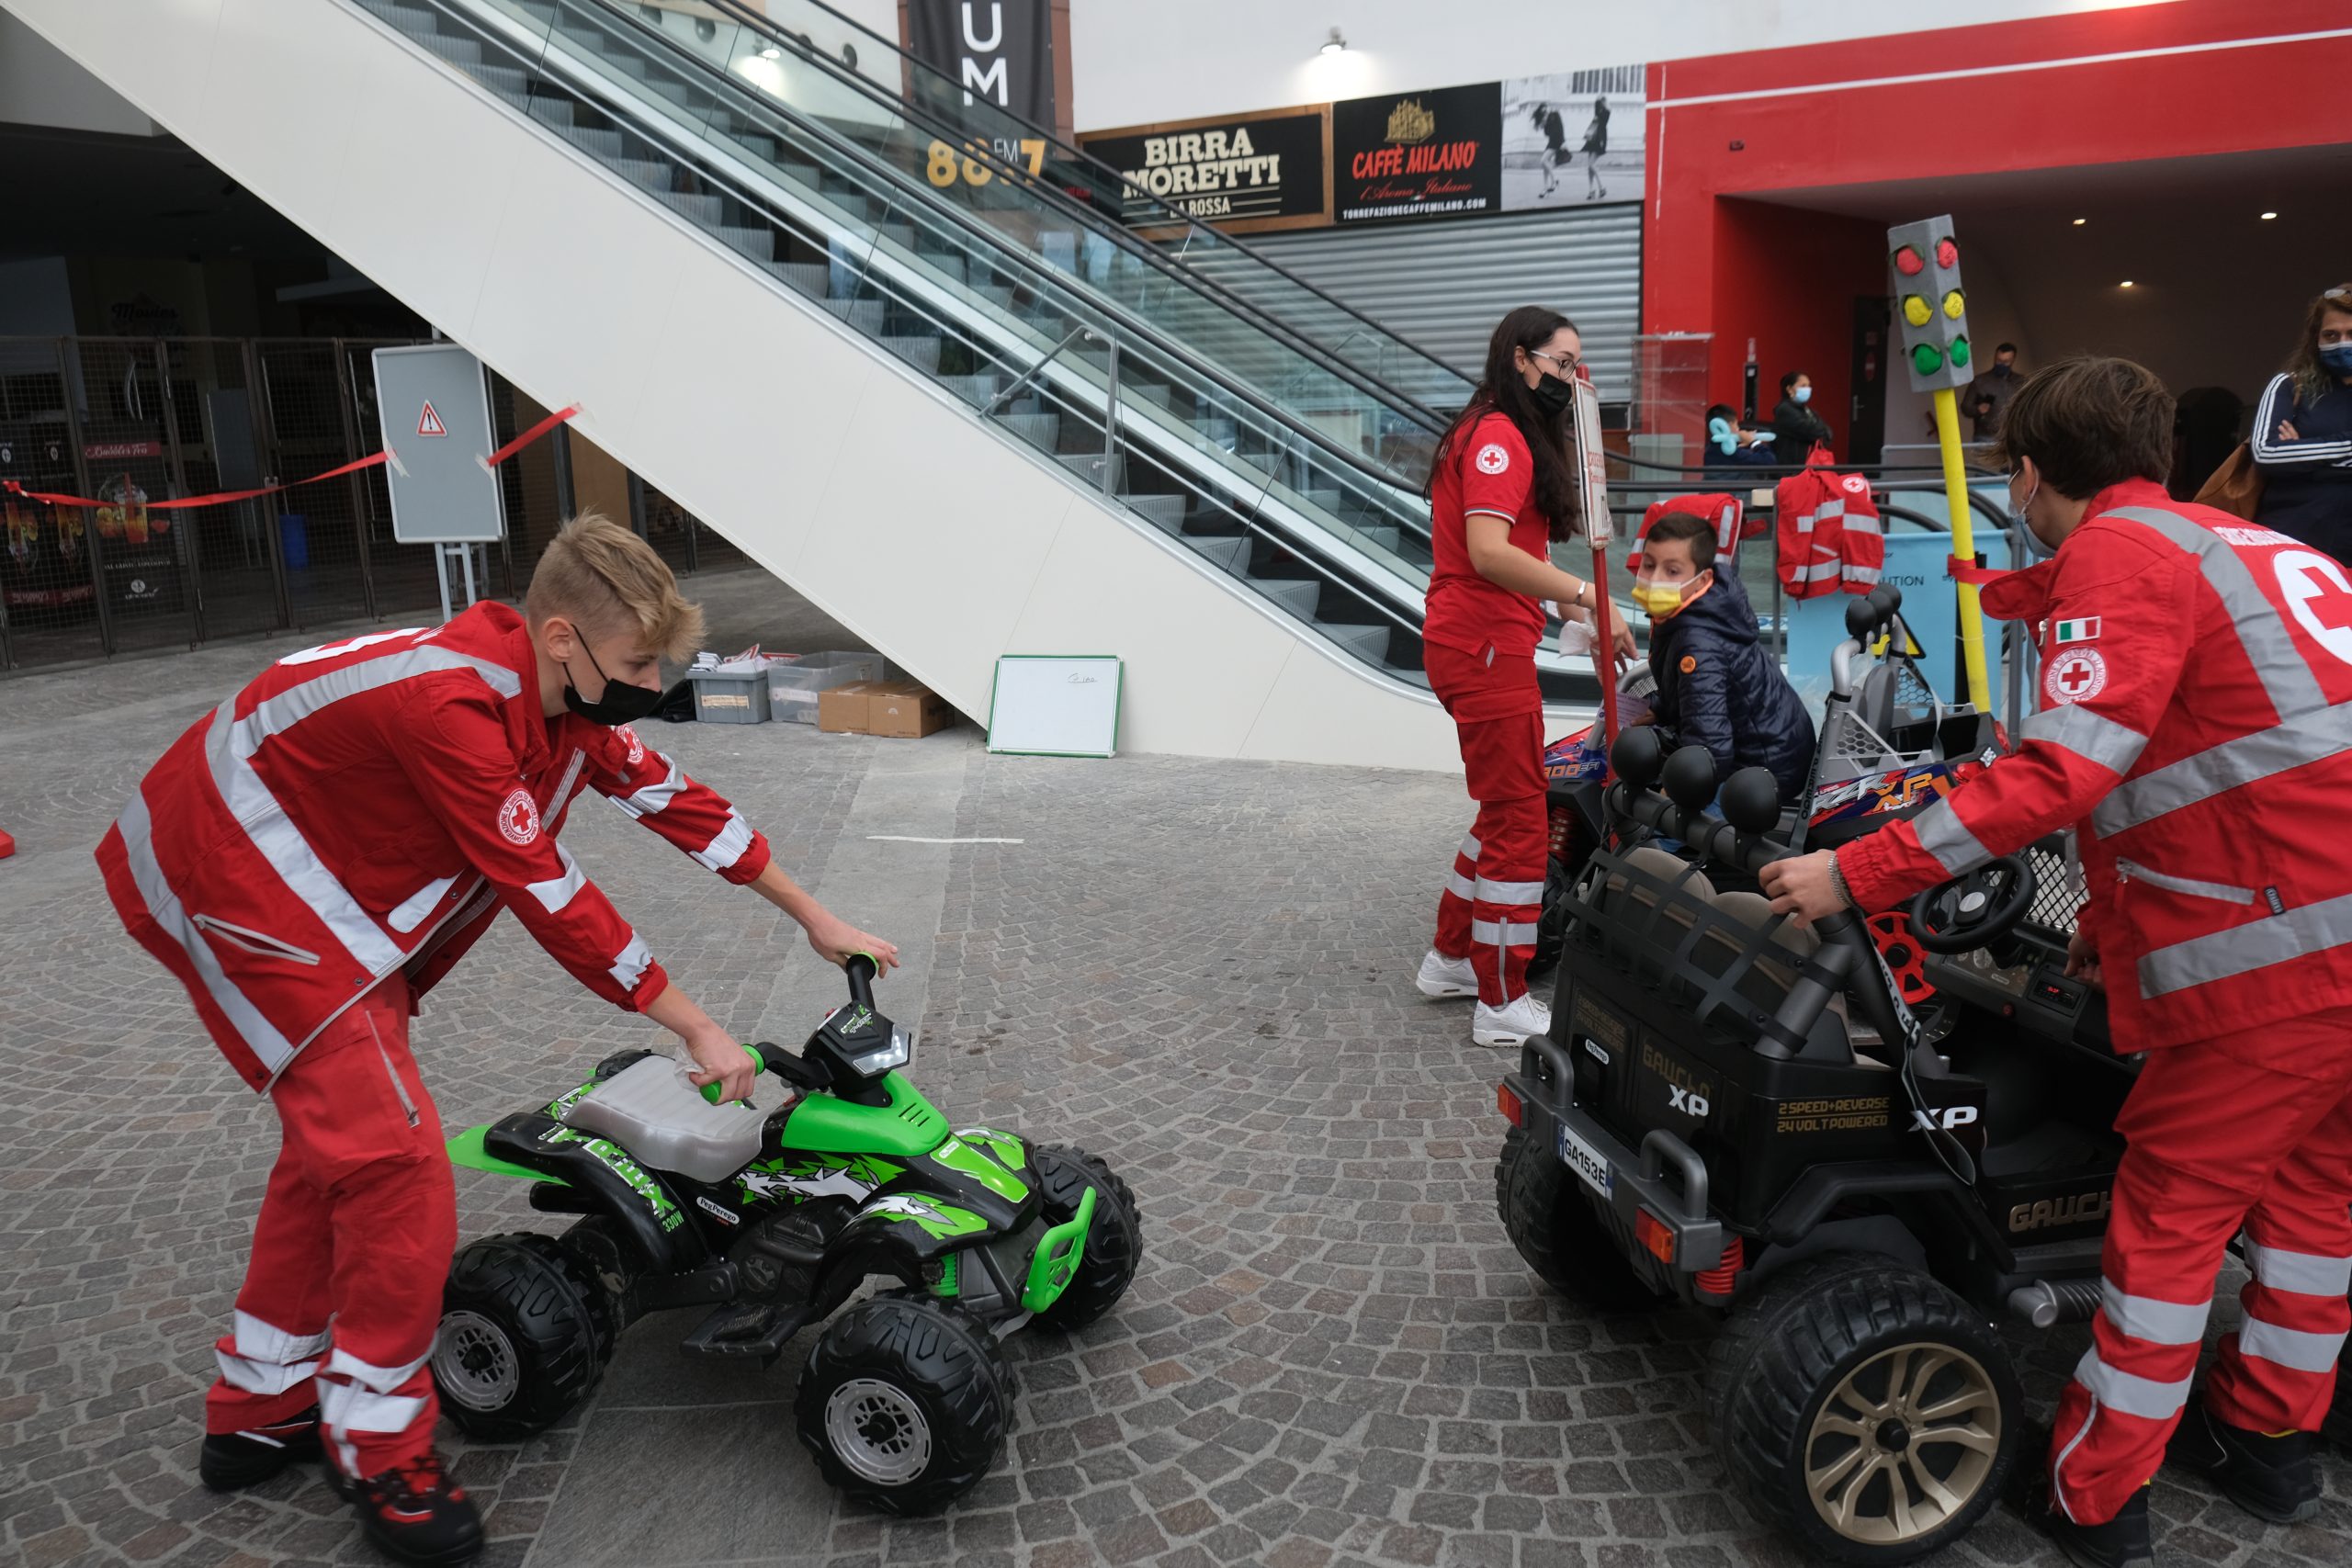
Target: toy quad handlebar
[{"x": 861, "y": 968}]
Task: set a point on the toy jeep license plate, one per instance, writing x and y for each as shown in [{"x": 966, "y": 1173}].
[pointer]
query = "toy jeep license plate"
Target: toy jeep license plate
[{"x": 1585, "y": 1161}]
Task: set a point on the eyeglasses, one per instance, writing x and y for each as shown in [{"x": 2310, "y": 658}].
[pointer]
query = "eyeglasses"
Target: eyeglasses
[{"x": 1568, "y": 363}]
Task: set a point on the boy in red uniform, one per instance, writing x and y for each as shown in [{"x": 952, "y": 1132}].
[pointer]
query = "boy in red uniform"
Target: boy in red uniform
[
  {"x": 309, "y": 859},
  {"x": 2196, "y": 729}
]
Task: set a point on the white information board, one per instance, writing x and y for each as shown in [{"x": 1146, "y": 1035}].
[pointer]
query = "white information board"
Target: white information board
[
  {"x": 434, "y": 404},
  {"x": 1055, "y": 705}
]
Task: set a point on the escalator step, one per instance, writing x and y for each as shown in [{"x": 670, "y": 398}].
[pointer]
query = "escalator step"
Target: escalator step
[
  {"x": 1163, "y": 511},
  {"x": 996, "y": 294},
  {"x": 507, "y": 81},
  {"x": 1037, "y": 429},
  {"x": 865, "y": 316},
  {"x": 797, "y": 173},
  {"x": 643, "y": 172},
  {"x": 922, "y": 353},
  {"x": 1323, "y": 499},
  {"x": 1297, "y": 595},
  {"x": 899, "y": 234},
  {"x": 805, "y": 278},
  {"x": 1088, "y": 466},
  {"x": 973, "y": 390},
  {"x": 605, "y": 144},
  {"x": 1230, "y": 552},
  {"x": 757, "y": 243},
  {"x": 1369, "y": 642},
  {"x": 705, "y": 210}
]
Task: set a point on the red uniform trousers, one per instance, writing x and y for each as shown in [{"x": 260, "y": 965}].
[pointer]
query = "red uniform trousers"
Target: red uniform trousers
[
  {"x": 2251, "y": 1129},
  {"x": 343, "y": 1292},
  {"x": 1491, "y": 903}
]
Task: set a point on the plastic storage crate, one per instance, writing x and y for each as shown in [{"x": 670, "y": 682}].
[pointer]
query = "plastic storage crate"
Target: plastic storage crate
[
  {"x": 729, "y": 699},
  {"x": 795, "y": 679}
]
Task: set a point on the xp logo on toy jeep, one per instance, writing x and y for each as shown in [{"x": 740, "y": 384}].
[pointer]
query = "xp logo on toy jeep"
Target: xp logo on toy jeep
[{"x": 1685, "y": 1100}]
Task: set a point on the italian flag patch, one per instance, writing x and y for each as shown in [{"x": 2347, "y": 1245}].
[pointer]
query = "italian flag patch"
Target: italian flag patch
[{"x": 2084, "y": 630}]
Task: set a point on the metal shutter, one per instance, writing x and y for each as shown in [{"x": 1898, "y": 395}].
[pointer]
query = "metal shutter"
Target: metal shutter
[{"x": 1444, "y": 284}]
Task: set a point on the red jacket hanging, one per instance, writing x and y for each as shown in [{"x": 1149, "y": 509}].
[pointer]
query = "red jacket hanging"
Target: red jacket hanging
[
  {"x": 368, "y": 805},
  {"x": 1831, "y": 538},
  {"x": 2196, "y": 723}
]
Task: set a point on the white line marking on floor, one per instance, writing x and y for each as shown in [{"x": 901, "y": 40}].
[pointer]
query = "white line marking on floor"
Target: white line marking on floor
[{"x": 904, "y": 838}]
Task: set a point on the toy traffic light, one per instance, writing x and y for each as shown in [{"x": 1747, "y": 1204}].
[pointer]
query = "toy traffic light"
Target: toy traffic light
[{"x": 1924, "y": 263}]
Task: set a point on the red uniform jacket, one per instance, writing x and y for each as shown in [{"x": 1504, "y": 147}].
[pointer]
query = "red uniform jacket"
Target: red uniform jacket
[
  {"x": 2196, "y": 725},
  {"x": 368, "y": 805}
]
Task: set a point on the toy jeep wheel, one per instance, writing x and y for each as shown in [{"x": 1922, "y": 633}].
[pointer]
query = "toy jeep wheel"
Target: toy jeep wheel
[
  {"x": 1554, "y": 1226},
  {"x": 904, "y": 1402},
  {"x": 1114, "y": 1243},
  {"x": 1863, "y": 1408},
  {"x": 525, "y": 1330}
]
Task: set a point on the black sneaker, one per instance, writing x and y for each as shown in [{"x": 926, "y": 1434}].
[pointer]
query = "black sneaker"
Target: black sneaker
[
  {"x": 2121, "y": 1543},
  {"x": 2271, "y": 1478},
  {"x": 232, "y": 1460},
  {"x": 414, "y": 1513}
]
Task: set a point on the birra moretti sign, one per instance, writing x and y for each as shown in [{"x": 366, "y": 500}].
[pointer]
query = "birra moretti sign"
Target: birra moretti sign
[{"x": 1263, "y": 171}]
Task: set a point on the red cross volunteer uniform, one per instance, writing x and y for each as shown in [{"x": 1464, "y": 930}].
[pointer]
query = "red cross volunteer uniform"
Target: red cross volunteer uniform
[
  {"x": 1479, "y": 649},
  {"x": 2196, "y": 725},
  {"x": 309, "y": 859}
]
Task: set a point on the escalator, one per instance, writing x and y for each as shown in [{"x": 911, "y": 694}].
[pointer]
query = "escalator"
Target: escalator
[{"x": 1279, "y": 440}]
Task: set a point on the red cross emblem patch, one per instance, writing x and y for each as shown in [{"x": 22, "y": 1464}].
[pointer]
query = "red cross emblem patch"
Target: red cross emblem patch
[{"x": 2076, "y": 675}]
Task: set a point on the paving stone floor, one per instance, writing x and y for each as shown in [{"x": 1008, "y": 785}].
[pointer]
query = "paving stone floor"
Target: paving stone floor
[{"x": 1199, "y": 969}]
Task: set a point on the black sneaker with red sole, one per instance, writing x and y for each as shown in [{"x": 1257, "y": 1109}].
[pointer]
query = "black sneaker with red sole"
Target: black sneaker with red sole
[
  {"x": 231, "y": 1461},
  {"x": 414, "y": 1512}
]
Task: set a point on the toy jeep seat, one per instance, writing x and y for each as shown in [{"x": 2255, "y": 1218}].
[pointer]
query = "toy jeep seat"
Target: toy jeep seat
[{"x": 654, "y": 1112}]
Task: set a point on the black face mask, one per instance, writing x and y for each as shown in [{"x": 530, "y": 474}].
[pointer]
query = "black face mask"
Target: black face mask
[
  {"x": 1553, "y": 395},
  {"x": 621, "y": 703}
]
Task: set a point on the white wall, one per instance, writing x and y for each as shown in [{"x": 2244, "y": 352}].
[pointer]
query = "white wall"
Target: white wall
[
  {"x": 39, "y": 85},
  {"x": 1136, "y": 61},
  {"x": 891, "y": 507}
]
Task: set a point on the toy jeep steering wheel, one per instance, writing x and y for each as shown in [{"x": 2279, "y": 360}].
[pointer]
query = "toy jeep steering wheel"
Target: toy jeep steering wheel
[{"x": 1971, "y": 910}]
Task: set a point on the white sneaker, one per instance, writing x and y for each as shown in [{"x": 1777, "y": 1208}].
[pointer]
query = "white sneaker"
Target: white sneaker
[
  {"x": 1510, "y": 1023},
  {"x": 1443, "y": 978}
]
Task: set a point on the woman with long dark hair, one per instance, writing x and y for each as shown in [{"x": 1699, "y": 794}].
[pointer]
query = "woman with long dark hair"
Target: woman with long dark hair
[
  {"x": 1501, "y": 490},
  {"x": 2303, "y": 433},
  {"x": 1596, "y": 143}
]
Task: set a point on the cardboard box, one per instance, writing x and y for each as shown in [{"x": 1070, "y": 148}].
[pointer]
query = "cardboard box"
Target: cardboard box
[
  {"x": 906, "y": 710},
  {"x": 842, "y": 710}
]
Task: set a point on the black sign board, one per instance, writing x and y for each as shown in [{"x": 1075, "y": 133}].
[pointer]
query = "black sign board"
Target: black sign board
[
  {"x": 1428, "y": 154},
  {"x": 1254, "y": 171},
  {"x": 998, "y": 51}
]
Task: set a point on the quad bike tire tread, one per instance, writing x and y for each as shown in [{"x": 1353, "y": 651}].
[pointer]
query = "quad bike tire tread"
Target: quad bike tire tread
[
  {"x": 555, "y": 1313},
  {"x": 1778, "y": 1354},
  {"x": 948, "y": 1360},
  {"x": 1557, "y": 1232},
  {"x": 1108, "y": 1264}
]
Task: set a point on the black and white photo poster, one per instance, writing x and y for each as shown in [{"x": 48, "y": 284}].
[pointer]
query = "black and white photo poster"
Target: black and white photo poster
[{"x": 1573, "y": 137}]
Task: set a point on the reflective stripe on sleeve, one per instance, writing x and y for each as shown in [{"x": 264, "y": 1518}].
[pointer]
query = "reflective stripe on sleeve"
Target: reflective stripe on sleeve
[
  {"x": 654, "y": 796},
  {"x": 1943, "y": 835},
  {"x": 2131, "y": 1394},
  {"x": 2304, "y": 1273},
  {"x": 2257, "y": 944},
  {"x": 1504, "y": 933},
  {"x": 2305, "y": 1352},
  {"x": 2309, "y": 738},
  {"x": 2154, "y": 1322},
  {"x": 728, "y": 846},
  {"x": 2292, "y": 688},
  {"x": 1519, "y": 893},
  {"x": 1461, "y": 888},
  {"x": 2093, "y": 737},
  {"x": 630, "y": 965},
  {"x": 564, "y": 791},
  {"x": 559, "y": 891}
]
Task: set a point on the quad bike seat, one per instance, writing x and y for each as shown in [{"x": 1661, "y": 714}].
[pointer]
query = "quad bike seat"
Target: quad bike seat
[{"x": 652, "y": 1109}]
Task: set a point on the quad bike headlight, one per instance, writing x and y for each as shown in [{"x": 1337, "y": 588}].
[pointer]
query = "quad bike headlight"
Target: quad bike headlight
[{"x": 897, "y": 1054}]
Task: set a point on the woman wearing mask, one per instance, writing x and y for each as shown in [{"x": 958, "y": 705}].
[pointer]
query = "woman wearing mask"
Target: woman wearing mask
[
  {"x": 2303, "y": 433},
  {"x": 1795, "y": 427},
  {"x": 1502, "y": 488}
]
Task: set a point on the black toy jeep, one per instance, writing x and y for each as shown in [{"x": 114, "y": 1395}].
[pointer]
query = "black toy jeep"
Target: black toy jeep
[{"x": 1753, "y": 1119}]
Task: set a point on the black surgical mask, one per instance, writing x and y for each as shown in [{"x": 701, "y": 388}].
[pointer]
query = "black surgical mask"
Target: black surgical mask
[
  {"x": 1553, "y": 395},
  {"x": 621, "y": 702}
]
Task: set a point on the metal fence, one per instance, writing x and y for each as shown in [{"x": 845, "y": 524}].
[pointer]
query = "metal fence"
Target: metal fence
[{"x": 128, "y": 421}]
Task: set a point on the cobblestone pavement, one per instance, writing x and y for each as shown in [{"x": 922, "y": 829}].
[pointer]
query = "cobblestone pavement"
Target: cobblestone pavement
[{"x": 1199, "y": 970}]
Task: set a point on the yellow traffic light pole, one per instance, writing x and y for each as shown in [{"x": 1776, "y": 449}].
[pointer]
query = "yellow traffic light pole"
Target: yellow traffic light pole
[{"x": 1964, "y": 547}]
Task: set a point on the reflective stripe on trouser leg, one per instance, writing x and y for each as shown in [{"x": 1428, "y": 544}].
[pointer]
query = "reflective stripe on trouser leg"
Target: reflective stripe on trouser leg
[
  {"x": 1502, "y": 761},
  {"x": 1453, "y": 904},
  {"x": 273, "y": 1349},
  {"x": 2279, "y": 1370}
]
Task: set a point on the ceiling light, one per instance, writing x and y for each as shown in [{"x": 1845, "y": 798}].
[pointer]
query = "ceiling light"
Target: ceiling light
[
  {"x": 2268, "y": 216},
  {"x": 771, "y": 52},
  {"x": 2080, "y": 221},
  {"x": 1333, "y": 44},
  {"x": 2125, "y": 284}
]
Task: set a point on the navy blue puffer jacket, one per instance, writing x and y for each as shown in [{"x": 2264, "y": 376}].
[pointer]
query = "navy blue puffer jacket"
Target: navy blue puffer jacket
[{"x": 1717, "y": 687}]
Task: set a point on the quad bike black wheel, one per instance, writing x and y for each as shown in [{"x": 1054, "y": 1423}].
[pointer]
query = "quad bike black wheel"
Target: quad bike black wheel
[
  {"x": 1556, "y": 1230},
  {"x": 1864, "y": 1409},
  {"x": 525, "y": 1329},
  {"x": 904, "y": 1403},
  {"x": 1114, "y": 1243}
]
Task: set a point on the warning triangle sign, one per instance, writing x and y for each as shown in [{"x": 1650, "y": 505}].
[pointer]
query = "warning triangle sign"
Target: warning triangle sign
[{"x": 429, "y": 423}]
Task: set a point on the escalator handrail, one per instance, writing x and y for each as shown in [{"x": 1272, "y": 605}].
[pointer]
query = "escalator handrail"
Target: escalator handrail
[
  {"x": 1119, "y": 232},
  {"x": 1109, "y": 315}
]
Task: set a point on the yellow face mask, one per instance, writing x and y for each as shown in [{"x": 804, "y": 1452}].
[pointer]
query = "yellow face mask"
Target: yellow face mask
[{"x": 1660, "y": 600}]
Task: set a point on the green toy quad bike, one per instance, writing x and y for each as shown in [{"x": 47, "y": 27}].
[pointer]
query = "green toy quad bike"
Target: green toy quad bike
[{"x": 772, "y": 1222}]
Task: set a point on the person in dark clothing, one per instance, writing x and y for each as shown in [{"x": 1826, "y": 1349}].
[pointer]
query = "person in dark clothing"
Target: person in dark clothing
[
  {"x": 2303, "y": 433},
  {"x": 1546, "y": 119},
  {"x": 1596, "y": 143},
  {"x": 1716, "y": 686},
  {"x": 1990, "y": 393},
  {"x": 1795, "y": 427}
]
